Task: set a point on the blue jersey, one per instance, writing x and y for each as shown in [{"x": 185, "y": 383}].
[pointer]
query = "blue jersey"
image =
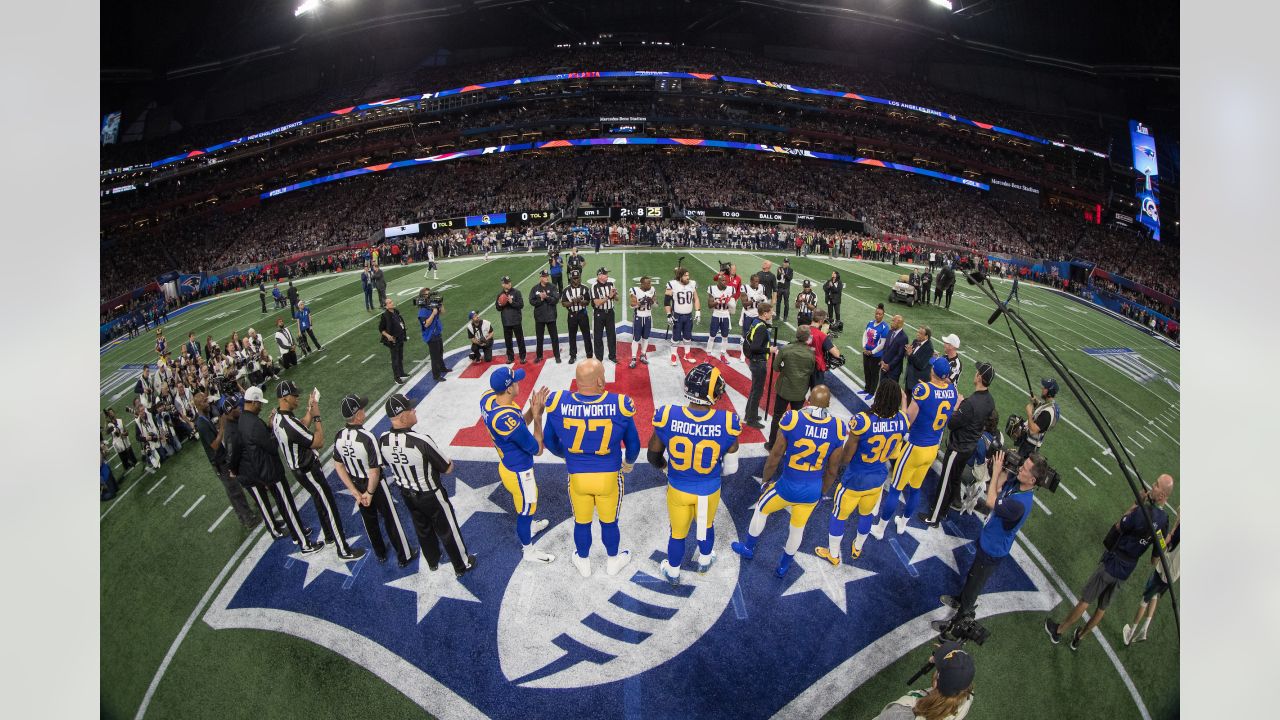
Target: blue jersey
[
  {"x": 696, "y": 446},
  {"x": 810, "y": 442},
  {"x": 876, "y": 441},
  {"x": 304, "y": 318},
  {"x": 874, "y": 336},
  {"x": 590, "y": 432},
  {"x": 488, "y": 399},
  {"x": 936, "y": 403},
  {"x": 511, "y": 437}
]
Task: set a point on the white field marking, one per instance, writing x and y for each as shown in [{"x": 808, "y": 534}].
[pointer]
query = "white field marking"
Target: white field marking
[
  {"x": 175, "y": 493},
  {"x": 320, "y": 359},
  {"x": 487, "y": 308},
  {"x": 153, "y": 487},
  {"x": 366, "y": 359},
  {"x": 117, "y": 502},
  {"x": 344, "y": 357},
  {"x": 1135, "y": 442},
  {"x": 1104, "y": 467},
  {"x": 1067, "y": 490},
  {"x": 1153, "y": 425},
  {"x": 193, "y": 506},
  {"x": 218, "y": 522},
  {"x": 1102, "y": 639},
  {"x": 1086, "y": 477},
  {"x": 1043, "y": 507}
]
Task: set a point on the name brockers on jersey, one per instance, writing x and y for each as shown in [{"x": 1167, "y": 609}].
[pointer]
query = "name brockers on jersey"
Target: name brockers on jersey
[{"x": 681, "y": 427}]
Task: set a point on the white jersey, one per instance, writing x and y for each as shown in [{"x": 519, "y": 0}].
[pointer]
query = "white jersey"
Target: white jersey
[
  {"x": 753, "y": 297},
  {"x": 644, "y": 301},
  {"x": 682, "y": 296},
  {"x": 721, "y": 301}
]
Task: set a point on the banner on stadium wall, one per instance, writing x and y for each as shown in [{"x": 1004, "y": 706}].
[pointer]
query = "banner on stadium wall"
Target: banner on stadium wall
[
  {"x": 1128, "y": 284},
  {"x": 399, "y": 230},
  {"x": 1148, "y": 191},
  {"x": 190, "y": 284},
  {"x": 1116, "y": 302}
]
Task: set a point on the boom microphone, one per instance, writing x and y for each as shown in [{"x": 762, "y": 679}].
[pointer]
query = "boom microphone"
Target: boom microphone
[{"x": 996, "y": 315}]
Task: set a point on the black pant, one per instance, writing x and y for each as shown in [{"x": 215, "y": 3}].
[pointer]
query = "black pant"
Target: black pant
[
  {"x": 781, "y": 405},
  {"x": 309, "y": 333},
  {"x": 937, "y": 295},
  {"x": 263, "y": 298},
  {"x": 514, "y": 333},
  {"x": 397, "y": 359},
  {"x": 949, "y": 291},
  {"x": 976, "y": 580},
  {"x": 784, "y": 305},
  {"x": 482, "y": 351},
  {"x": 380, "y": 505},
  {"x": 559, "y": 282},
  {"x": 382, "y": 295},
  {"x": 833, "y": 312},
  {"x": 235, "y": 494},
  {"x": 605, "y": 321},
  {"x": 871, "y": 373},
  {"x": 924, "y": 294},
  {"x": 262, "y": 494},
  {"x": 759, "y": 370},
  {"x": 368, "y": 299},
  {"x": 953, "y": 464},
  {"x": 288, "y": 359},
  {"x": 435, "y": 347},
  {"x": 435, "y": 522},
  {"x": 548, "y": 328},
  {"x": 127, "y": 460},
  {"x": 311, "y": 477},
  {"x": 578, "y": 323}
]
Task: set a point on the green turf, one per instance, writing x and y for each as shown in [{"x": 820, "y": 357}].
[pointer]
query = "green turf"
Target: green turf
[{"x": 157, "y": 565}]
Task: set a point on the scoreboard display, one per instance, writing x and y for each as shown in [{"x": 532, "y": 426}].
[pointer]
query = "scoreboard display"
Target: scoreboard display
[{"x": 651, "y": 212}]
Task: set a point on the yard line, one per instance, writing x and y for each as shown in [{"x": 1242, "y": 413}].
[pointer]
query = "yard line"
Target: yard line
[
  {"x": 319, "y": 359},
  {"x": 1086, "y": 477},
  {"x": 1104, "y": 467},
  {"x": 1144, "y": 436},
  {"x": 344, "y": 357},
  {"x": 1135, "y": 442},
  {"x": 153, "y": 487},
  {"x": 117, "y": 502},
  {"x": 1043, "y": 507},
  {"x": 175, "y": 492},
  {"x": 1157, "y": 427},
  {"x": 366, "y": 360},
  {"x": 218, "y": 522},
  {"x": 193, "y": 506},
  {"x": 1067, "y": 490}
]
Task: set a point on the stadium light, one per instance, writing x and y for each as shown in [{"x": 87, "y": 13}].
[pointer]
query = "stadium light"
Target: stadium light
[
  {"x": 309, "y": 6},
  {"x": 942, "y": 3}
]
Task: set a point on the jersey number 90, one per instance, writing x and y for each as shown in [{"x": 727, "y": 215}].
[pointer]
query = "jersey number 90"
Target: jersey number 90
[{"x": 685, "y": 454}]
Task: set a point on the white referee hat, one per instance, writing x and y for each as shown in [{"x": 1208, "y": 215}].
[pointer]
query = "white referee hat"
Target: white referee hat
[
  {"x": 953, "y": 340},
  {"x": 253, "y": 394}
]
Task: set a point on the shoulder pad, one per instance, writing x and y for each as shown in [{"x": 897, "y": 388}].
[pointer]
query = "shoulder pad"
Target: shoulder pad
[
  {"x": 553, "y": 400},
  {"x": 661, "y": 415},
  {"x": 859, "y": 423},
  {"x": 789, "y": 420},
  {"x": 921, "y": 391},
  {"x": 626, "y": 405},
  {"x": 733, "y": 423}
]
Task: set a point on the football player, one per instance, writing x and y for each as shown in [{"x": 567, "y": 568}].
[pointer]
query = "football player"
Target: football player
[
  {"x": 684, "y": 310},
  {"x": 721, "y": 297},
  {"x": 589, "y": 429},
  {"x": 696, "y": 444},
  {"x": 934, "y": 402},
  {"x": 876, "y": 439},
  {"x": 516, "y": 447},
  {"x": 753, "y": 294},
  {"x": 642, "y": 300},
  {"x": 806, "y": 440}
]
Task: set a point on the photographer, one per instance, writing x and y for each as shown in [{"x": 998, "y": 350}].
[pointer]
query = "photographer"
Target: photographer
[
  {"x": 557, "y": 268},
  {"x": 544, "y": 297},
  {"x": 1042, "y": 415},
  {"x": 1010, "y": 505},
  {"x": 1125, "y": 543},
  {"x": 480, "y": 333},
  {"x": 966, "y": 424},
  {"x": 948, "y": 698},
  {"x": 430, "y": 308},
  {"x": 392, "y": 329},
  {"x": 510, "y": 306}
]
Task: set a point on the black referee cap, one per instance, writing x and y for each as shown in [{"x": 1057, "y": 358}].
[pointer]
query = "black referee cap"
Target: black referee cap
[
  {"x": 352, "y": 404},
  {"x": 397, "y": 404},
  {"x": 287, "y": 388},
  {"x": 603, "y": 271}
]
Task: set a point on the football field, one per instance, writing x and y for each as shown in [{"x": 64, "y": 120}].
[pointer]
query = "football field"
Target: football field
[{"x": 203, "y": 619}]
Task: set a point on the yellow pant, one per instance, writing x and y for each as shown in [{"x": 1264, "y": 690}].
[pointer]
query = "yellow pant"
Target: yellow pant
[
  {"x": 596, "y": 493},
  {"x": 683, "y": 508},
  {"x": 864, "y": 501},
  {"x": 523, "y": 489},
  {"x": 771, "y": 502},
  {"x": 913, "y": 465}
]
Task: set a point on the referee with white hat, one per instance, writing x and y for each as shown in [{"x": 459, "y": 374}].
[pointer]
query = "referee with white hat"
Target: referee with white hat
[
  {"x": 255, "y": 462},
  {"x": 416, "y": 464},
  {"x": 359, "y": 466},
  {"x": 951, "y": 351}
]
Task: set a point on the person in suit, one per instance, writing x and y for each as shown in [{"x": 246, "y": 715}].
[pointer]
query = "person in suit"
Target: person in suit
[
  {"x": 919, "y": 356},
  {"x": 895, "y": 351},
  {"x": 366, "y": 286}
]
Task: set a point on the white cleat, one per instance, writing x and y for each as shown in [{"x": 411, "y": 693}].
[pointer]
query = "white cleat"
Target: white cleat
[
  {"x": 534, "y": 555},
  {"x": 877, "y": 530},
  {"x": 900, "y": 523},
  {"x": 670, "y": 574},
  {"x": 538, "y": 526},
  {"x": 583, "y": 565},
  {"x": 615, "y": 564},
  {"x": 710, "y": 560}
]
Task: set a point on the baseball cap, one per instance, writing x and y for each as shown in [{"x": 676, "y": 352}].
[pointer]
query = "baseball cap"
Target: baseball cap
[
  {"x": 287, "y": 388},
  {"x": 352, "y": 404},
  {"x": 1049, "y": 384},
  {"x": 253, "y": 394},
  {"x": 544, "y": 273},
  {"x": 955, "y": 668},
  {"x": 506, "y": 278},
  {"x": 953, "y": 340},
  {"x": 575, "y": 273},
  {"x": 602, "y": 271},
  {"x": 806, "y": 283},
  {"x": 987, "y": 372},
  {"x": 503, "y": 377},
  {"x": 941, "y": 367},
  {"x": 397, "y": 404},
  {"x": 471, "y": 315}
]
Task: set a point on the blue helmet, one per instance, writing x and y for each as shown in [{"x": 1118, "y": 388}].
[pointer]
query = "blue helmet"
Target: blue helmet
[
  {"x": 1051, "y": 385},
  {"x": 704, "y": 384}
]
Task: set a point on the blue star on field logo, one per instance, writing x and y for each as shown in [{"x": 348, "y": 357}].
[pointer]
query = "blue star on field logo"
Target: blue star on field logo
[{"x": 516, "y": 640}]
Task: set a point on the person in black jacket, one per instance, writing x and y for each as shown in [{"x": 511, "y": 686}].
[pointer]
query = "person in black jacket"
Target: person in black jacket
[
  {"x": 214, "y": 438},
  {"x": 544, "y": 297},
  {"x": 510, "y": 304},
  {"x": 895, "y": 351},
  {"x": 926, "y": 284},
  {"x": 255, "y": 462},
  {"x": 919, "y": 357},
  {"x": 974, "y": 414},
  {"x": 783, "y": 289},
  {"x": 832, "y": 291},
  {"x": 292, "y": 293},
  {"x": 391, "y": 327}
]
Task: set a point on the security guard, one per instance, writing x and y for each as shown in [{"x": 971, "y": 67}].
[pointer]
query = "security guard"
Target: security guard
[
  {"x": 359, "y": 466},
  {"x": 755, "y": 349}
]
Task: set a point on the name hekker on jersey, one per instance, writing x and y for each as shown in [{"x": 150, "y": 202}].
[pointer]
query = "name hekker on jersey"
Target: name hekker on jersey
[
  {"x": 294, "y": 440},
  {"x": 754, "y": 296},
  {"x": 358, "y": 451},
  {"x": 644, "y": 300},
  {"x": 415, "y": 461},
  {"x": 720, "y": 301},
  {"x": 682, "y": 296}
]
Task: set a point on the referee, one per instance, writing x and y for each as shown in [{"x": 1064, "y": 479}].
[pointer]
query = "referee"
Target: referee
[
  {"x": 417, "y": 464},
  {"x": 603, "y": 295},
  {"x": 575, "y": 299},
  {"x": 298, "y": 443},
  {"x": 359, "y": 467},
  {"x": 966, "y": 424},
  {"x": 951, "y": 351},
  {"x": 255, "y": 462}
]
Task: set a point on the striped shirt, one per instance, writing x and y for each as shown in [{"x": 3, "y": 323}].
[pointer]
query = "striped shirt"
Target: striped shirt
[
  {"x": 576, "y": 296},
  {"x": 956, "y": 369},
  {"x": 294, "y": 439},
  {"x": 600, "y": 291},
  {"x": 415, "y": 461},
  {"x": 358, "y": 451}
]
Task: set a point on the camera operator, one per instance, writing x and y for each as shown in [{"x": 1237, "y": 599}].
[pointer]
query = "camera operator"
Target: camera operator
[
  {"x": 1124, "y": 545},
  {"x": 557, "y": 267},
  {"x": 948, "y": 698},
  {"x": 480, "y": 333},
  {"x": 1042, "y": 415},
  {"x": 966, "y": 425},
  {"x": 391, "y": 327},
  {"x": 430, "y": 308},
  {"x": 510, "y": 306},
  {"x": 1010, "y": 505}
]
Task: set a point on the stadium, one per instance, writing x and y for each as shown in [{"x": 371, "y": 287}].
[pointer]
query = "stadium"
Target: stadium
[{"x": 282, "y": 183}]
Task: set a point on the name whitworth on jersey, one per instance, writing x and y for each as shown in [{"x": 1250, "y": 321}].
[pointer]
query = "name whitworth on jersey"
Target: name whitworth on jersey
[{"x": 597, "y": 410}]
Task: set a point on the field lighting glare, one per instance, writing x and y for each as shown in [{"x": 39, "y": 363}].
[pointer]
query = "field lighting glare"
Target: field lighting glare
[
  {"x": 942, "y": 3},
  {"x": 309, "y": 6}
]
